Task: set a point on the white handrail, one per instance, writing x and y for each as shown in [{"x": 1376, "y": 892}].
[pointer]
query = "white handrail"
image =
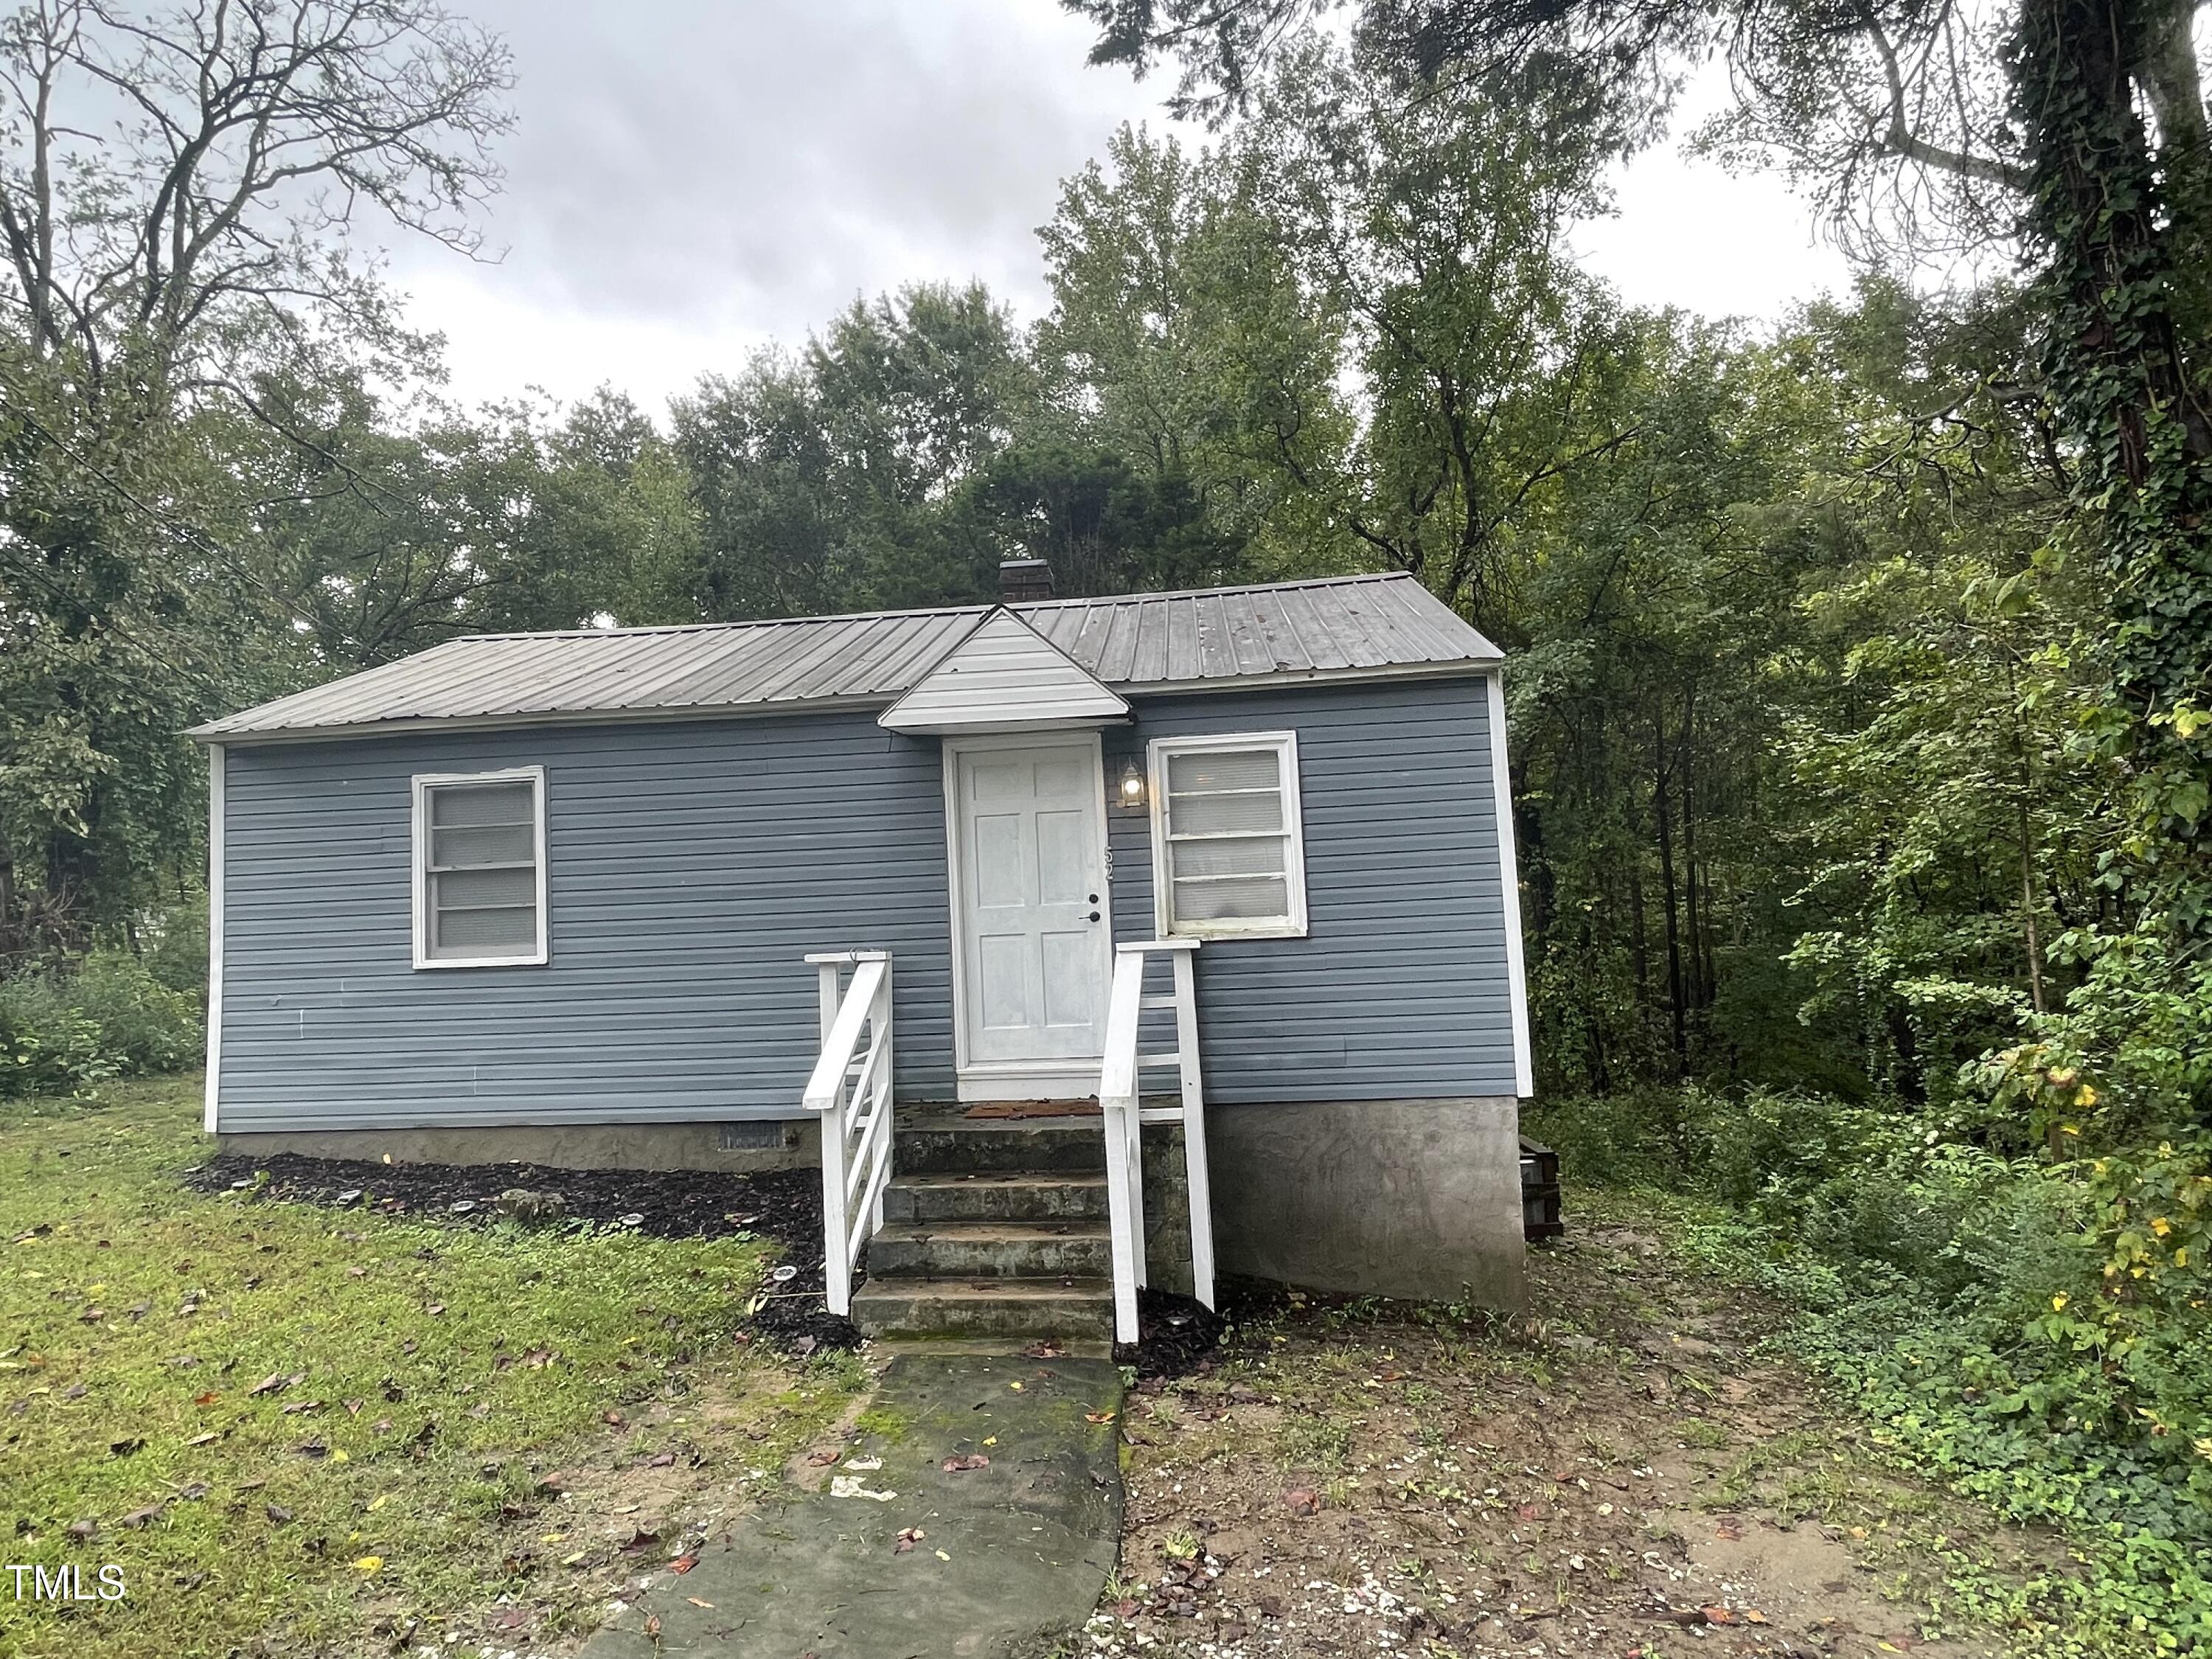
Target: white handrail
[
  {"x": 853, "y": 1099},
  {"x": 1120, "y": 1098}
]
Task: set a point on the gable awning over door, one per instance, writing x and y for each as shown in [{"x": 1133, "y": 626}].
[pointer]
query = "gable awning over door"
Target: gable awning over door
[{"x": 1005, "y": 677}]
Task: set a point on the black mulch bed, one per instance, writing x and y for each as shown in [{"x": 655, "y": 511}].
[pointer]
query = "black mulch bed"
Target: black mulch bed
[
  {"x": 1177, "y": 1336},
  {"x": 783, "y": 1206}
]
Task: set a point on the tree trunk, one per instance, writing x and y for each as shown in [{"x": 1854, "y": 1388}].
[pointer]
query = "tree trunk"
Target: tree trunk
[
  {"x": 2126, "y": 377},
  {"x": 1662, "y": 809}
]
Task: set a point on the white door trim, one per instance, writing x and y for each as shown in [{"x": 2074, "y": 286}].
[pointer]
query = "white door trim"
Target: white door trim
[{"x": 1042, "y": 1079}]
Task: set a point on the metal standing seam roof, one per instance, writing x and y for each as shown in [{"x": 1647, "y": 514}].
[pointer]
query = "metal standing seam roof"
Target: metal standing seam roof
[{"x": 1377, "y": 626}]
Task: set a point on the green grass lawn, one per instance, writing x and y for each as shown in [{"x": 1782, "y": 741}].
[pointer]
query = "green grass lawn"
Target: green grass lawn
[{"x": 298, "y": 1431}]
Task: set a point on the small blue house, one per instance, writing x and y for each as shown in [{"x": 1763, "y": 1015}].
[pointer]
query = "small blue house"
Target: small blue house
[{"x": 867, "y": 889}]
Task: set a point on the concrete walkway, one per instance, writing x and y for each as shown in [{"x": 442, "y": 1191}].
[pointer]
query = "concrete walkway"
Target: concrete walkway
[{"x": 1010, "y": 1554}]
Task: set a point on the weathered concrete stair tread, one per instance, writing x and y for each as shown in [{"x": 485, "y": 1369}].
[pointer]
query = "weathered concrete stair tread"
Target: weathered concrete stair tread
[
  {"x": 1011, "y": 1307},
  {"x": 1005, "y": 1196},
  {"x": 1011, "y": 1250},
  {"x": 1046, "y": 1146},
  {"x": 994, "y": 1230}
]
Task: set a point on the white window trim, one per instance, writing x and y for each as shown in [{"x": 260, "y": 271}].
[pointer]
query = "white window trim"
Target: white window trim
[
  {"x": 423, "y": 782},
  {"x": 1285, "y": 746}
]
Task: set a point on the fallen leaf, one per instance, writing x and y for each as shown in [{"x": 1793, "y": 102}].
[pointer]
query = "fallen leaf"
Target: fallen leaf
[
  {"x": 207, "y": 1399},
  {"x": 277, "y": 1514},
  {"x": 1303, "y": 1500},
  {"x": 1098, "y": 1417},
  {"x": 823, "y": 1459},
  {"x": 369, "y": 1563},
  {"x": 973, "y": 1460},
  {"x": 274, "y": 1380},
  {"x": 683, "y": 1564},
  {"x": 141, "y": 1517},
  {"x": 697, "y": 1602}
]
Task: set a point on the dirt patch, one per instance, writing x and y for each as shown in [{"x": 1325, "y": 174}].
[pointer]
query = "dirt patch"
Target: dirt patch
[
  {"x": 1625, "y": 1476},
  {"x": 782, "y": 1205}
]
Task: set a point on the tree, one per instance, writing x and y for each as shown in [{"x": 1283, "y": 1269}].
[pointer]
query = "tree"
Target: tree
[
  {"x": 833, "y": 479},
  {"x": 1437, "y": 230},
  {"x": 1917, "y": 119},
  {"x": 176, "y": 191},
  {"x": 1185, "y": 342},
  {"x": 241, "y": 142},
  {"x": 387, "y": 541}
]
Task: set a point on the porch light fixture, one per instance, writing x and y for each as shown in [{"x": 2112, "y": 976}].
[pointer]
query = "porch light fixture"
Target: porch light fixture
[{"x": 1132, "y": 785}]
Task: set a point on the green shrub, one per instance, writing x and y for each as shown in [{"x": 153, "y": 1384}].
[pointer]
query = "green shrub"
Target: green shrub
[
  {"x": 2036, "y": 1333},
  {"x": 65, "y": 1031}
]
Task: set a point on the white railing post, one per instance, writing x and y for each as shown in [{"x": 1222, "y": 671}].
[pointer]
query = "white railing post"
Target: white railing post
[
  {"x": 848, "y": 1095},
  {"x": 1121, "y": 1103},
  {"x": 1117, "y": 1105},
  {"x": 1197, "y": 1181}
]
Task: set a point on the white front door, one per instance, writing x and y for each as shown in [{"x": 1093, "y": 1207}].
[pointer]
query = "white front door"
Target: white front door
[{"x": 1035, "y": 940}]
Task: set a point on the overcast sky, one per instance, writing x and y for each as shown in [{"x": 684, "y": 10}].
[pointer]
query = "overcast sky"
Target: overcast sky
[{"x": 688, "y": 179}]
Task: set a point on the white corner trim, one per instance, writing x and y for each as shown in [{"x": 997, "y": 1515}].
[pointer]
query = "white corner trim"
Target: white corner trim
[
  {"x": 419, "y": 882},
  {"x": 1509, "y": 872},
  {"x": 1285, "y": 746},
  {"x": 215, "y": 934}
]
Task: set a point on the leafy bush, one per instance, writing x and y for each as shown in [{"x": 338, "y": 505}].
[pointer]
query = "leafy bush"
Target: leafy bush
[
  {"x": 2037, "y": 1333},
  {"x": 66, "y": 1032}
]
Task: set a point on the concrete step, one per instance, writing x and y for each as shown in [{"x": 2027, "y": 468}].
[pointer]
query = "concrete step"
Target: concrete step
[
  {"x": 1011, "y": 1196},
  {"x": 943, "y": 1144},
  {"x": 1078, "y": 1309},
  {"x": 990, "y": 1249}
]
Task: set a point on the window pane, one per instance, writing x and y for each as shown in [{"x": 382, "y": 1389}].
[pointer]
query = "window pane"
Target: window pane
[
  {"x": 1260, "y": 856},
  {"x": 506, "y": 844},
  {"x": 1268, "y": 899},
  {"x": 511, "y": 931},
  {"x": 461, "y": 890},
  {"x": 1210, "y": 815},
  {"x": 483, "y": 803},
  {"x": 1239, "y": 768}
]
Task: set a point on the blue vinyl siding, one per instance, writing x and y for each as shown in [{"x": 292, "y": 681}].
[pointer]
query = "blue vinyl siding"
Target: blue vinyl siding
[
  {"x": 691, "y": 866},
  {"x": 1400, "y": 989},
  {"x": 693, "y": 863}
]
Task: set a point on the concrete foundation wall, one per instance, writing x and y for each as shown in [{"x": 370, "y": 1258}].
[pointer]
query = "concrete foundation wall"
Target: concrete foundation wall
[
  {"x": 571, "y": 1146},
  {"x": 1418, "y": 1199}
]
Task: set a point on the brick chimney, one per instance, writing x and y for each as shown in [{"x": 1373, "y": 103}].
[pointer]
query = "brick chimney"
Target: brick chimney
[{"x": 1021, "y": 580}]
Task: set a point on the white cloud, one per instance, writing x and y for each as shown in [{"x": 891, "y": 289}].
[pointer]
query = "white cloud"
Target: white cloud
[{"x": 691, "y": 179}]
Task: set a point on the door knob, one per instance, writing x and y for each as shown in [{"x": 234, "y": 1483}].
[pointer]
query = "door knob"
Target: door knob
[
  {"x": 1094, "y": 916},
  {"x": 1093, "y": 899}
]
